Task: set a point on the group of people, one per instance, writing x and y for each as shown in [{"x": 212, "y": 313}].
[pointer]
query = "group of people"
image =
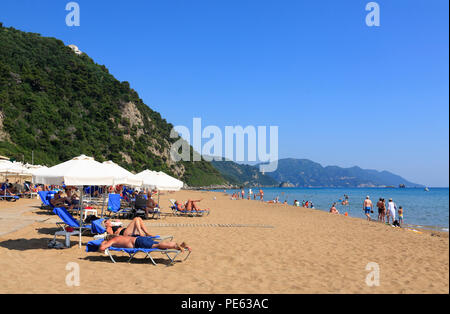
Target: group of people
[
  {"x": 386, "y": 213},
  {"x": 14, "y": 189},
  {"x": 305, "y": 204},
  {"x": 241, "y": 195}
]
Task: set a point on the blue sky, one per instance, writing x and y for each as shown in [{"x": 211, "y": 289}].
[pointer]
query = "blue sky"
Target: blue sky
[{"x": 341, "y": 93}]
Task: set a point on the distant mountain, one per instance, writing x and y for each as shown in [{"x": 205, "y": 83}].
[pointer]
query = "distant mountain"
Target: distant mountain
[
  {"x": 246, "y": 175},
  {"x": 306, "y": 173}
]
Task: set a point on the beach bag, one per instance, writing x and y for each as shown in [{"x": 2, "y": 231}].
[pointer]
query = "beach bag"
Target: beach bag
[
  {"x": 90, "y": 218},
  {"x": 53, "y": 244}
]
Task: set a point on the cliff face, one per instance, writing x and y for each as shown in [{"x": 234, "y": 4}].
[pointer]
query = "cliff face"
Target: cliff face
[{"x": 59, "y": 104}]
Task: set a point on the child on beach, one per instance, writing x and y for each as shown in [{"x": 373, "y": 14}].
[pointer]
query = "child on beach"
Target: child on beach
[{"x": 400, "y": 215}]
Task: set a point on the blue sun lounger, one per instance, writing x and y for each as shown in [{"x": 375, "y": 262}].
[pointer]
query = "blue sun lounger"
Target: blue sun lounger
[
  {"x": 68, "y": 220},
  {"x": 114, "y": 206},
  {"x": 191, "y": 213},
  {"x": 9, "y": 198},
  {"x": 43, "y": 195},
  {"x": 93, "y": 246}
]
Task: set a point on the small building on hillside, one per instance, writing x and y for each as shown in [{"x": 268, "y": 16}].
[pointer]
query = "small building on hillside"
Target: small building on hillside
[{"x": 75, "y": 49}]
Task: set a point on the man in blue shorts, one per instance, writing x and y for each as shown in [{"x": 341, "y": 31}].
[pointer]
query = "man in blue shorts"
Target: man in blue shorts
[
  {"x": 140, "y": 243},
  {"x": 367, "y": 207}
]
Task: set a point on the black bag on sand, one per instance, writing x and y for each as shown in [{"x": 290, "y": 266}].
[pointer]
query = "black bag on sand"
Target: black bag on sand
[{"x": 90, "y": 219}]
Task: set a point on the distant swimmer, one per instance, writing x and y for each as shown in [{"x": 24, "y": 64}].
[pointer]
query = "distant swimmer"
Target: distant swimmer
[{"x": 367, "y": 207}]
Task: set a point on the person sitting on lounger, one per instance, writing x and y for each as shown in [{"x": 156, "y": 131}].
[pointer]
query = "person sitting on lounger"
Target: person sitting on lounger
[
  {"x": 135, "y": 228},
  {"x": 140, "y": 243},
  {"x": 59, "y": 201},
  {"x": 7, "y": 188},
  {"x": 151, "y": 205}
]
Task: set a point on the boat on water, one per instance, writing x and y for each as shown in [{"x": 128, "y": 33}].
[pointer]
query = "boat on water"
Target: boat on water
[{"x": 427, "y": 190}]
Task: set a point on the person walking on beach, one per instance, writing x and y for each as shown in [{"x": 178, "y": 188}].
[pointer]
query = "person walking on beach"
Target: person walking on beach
[
  {"x": 391, "y": 211},
  {"x": 367, "y": 206},
  {"x": 250, "y": 192},
  {"x": 261, "y": 194},
  {"x": 243, "y": 193}
]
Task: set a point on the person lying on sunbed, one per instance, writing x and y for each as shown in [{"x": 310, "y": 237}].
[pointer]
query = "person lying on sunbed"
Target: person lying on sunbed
[
  {"x": 190, "y": 205},
  {"x": 140, "y": 243},
  {"x": 135, "y": 228}
]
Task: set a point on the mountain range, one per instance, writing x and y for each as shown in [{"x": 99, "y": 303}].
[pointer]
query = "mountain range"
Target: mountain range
[{"x": 306, "y": 173}]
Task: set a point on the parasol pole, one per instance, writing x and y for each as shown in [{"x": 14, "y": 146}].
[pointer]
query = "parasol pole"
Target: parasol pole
[{"x": 81, "y": 213}]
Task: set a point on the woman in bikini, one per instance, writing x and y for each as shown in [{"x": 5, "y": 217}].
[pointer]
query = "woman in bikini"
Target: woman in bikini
[{"x": 135, "y": 228}]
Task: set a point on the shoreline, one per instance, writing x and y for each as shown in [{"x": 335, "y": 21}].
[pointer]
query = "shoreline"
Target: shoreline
[{"x": 422, "y": 227}]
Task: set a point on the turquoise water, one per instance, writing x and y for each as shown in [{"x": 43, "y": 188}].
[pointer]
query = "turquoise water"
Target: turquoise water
[{"x": 421, "y": 209}]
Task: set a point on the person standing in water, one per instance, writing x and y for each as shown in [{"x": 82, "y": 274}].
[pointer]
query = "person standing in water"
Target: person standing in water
[
  {"x": 400, "y": 215},
  {"x": 261, "y": 194},
  {"x": 367, "y": 206},
  {"x": 391, "y": 210}
]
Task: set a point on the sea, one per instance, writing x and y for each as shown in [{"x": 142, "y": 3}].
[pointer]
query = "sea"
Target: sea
[{"x": 422, "y": 209}]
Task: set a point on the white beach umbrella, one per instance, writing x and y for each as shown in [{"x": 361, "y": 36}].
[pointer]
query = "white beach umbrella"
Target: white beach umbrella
[
  {"x": 7, "y": 167},
  {"x": 160, "y": 181},
  {"x": 149, "y": 179},
  {"x": 121, "y": 175},
  {"x": 171, "y": 183},
  {"x": 78, "y": 171}
]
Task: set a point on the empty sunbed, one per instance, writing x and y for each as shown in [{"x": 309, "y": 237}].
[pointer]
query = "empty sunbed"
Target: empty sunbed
[
  {"x": 114, "y": 206},
  {"x": 170, "y": 254},
  {"x": 69, "y": 221}
]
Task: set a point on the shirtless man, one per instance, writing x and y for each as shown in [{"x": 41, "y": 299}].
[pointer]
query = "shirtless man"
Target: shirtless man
[
  {"x": 151, "y": 205},
  {"x": 140, "y": 243},
  {"x": 367, "y": 207}
]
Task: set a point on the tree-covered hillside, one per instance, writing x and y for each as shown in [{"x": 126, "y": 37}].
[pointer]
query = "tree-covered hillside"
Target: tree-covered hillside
[{"x": 59, "y": 105}]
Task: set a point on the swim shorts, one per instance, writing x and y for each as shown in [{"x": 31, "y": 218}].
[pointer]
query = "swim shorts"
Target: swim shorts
[
  {"x": 144, "y": 243},
  {"x": 367, "y": 210}
]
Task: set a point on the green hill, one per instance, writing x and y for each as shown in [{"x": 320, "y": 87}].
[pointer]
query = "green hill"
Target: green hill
[
  {"x": 245, "y": 175},
  {"x": 59, "y": 105}
]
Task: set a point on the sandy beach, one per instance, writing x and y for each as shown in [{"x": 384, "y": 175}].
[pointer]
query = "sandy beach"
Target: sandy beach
[{"x": 241, "y": 247}]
